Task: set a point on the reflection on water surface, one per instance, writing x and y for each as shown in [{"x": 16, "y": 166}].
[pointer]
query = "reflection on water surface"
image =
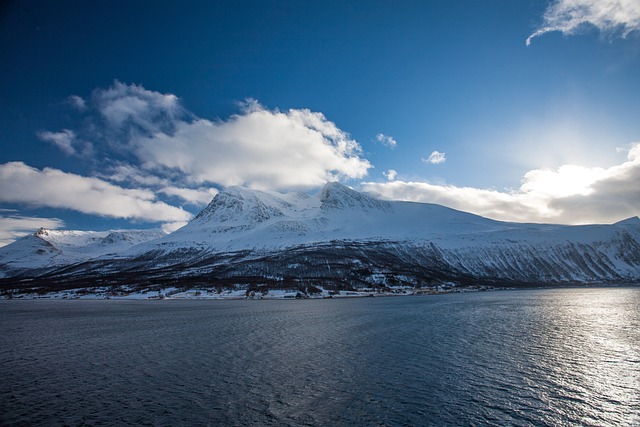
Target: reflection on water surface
[{"x": 534, "y": 357}]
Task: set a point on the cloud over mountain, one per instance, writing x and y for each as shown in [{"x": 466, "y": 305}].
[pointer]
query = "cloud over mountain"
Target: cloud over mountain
[
  {"x": 570, "y": 194},
  {"x": 145, "y": 152},
  {"x": 257, "y": 147},
  {"x": 149, "y": 155}
]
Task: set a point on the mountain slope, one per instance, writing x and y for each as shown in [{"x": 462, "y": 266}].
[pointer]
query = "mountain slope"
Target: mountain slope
[
  {"x": 239, "y": 219},
  {"x": 342, "y": 238},
  {"x": 46, "y": 249}
]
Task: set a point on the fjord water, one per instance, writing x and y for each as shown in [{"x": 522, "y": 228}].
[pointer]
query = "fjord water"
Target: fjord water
[{"x": 530, "y": 357}]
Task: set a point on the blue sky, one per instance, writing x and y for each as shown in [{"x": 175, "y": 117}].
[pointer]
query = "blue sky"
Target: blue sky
[{"x": 134, "y": 114}]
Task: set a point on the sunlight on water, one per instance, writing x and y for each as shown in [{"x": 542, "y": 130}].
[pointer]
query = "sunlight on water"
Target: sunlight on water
[
  {"x": 539, "y": 357},
  {"x": 592, "y": 348}
]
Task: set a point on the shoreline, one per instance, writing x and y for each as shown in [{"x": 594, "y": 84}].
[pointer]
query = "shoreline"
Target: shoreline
[{"x": 174, "y": 294}]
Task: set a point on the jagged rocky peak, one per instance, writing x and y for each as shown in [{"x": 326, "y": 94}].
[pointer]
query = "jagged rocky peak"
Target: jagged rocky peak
[
  {"x": 224, "y": 203},
  {"x": 41, "y": 232},
  {"x": 338, "y": 196},
  {"x": 240, "y": 203}
]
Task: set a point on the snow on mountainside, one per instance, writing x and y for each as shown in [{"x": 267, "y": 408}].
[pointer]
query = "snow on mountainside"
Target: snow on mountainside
[
  {"x": 343, "y": 238},
  {"x": 51, "y": 248},
  {"x": 452, "y": 242},
  {"x": 239, "y": 219}
]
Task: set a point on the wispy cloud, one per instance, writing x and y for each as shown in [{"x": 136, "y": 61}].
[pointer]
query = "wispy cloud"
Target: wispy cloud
[
  {"x": 570, "y": 194},
  {"x": 134, "y": 175},
  {"x": 196, "y": 197},
  {"x": 14, "y": 226},
  {"x": 387, "y": 141},
  {"x": 609, "y": 16},
  {"x": 77, "y": 102},
  {"x": 435, "y": 158},
  {"x": 390, "y": 174},
  {"x": 67, "y": 141},
  {"x": 132, "y": 107},
  {"x": 57, "y": 189}
]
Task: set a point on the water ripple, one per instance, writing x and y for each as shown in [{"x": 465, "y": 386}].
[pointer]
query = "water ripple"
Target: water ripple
[{"x": 543, "y": 358}]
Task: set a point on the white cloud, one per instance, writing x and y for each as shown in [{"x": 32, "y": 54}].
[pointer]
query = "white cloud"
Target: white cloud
[
  {"x": 489, "y": 203},
  {"x": 260, "y": 148},
  {"x": 386, "y": 140},
  {"x": 54, "y": 188},
  {"x": 567, "y": 180},
  {"x": 170, "y": 227},
  {"x": 390, "y": 174},
  {"x": 77, "y": 102},
  {"x": 608, "y": 16},
  {"x": 151, "y": 140},
  {"x": 64, "y": 140},
  {"x": 570, "y": 194},
  {"x": 197, "y": 197},
  {"x": 435, "y": 158},
  {"x": 126, "y": 173},
  {"x": 124, "y": 105},
  {"x": 13, "y": 227},
  {"x": 67, "y": 141}
]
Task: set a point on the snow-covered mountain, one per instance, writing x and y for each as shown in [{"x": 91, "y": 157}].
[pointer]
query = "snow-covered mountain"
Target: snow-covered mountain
[
  {"x": 240, "y": 219},
  {"x": 47, "y": 249},
  {"x": 343, "y": 238}
]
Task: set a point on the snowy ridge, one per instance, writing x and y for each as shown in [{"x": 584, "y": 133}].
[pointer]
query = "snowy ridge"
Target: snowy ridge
[
  {"x": 339, "y": 237},
  {"x": 50, "y": 248},
  {"x": 337, "y": 196},
  {"x": 239, "y": 219}
]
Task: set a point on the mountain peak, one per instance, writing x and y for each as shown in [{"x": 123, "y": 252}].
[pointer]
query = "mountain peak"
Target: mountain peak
[
  {"x": 240, "y": 204},
  {"x": 41, "y": 232},
  {"x": 338, "y": 196},
  {"x": 269, "y": 236}
]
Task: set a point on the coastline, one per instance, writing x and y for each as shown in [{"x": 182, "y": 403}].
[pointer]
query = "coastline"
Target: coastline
[{"x": 240, "y": 293}]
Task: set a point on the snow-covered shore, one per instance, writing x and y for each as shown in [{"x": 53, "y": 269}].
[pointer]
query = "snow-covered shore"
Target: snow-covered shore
[{"x": 234, "y": 294}]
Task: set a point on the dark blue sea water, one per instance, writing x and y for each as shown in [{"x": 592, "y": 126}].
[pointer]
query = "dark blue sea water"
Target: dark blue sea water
[{"x": 554, "y": 357}]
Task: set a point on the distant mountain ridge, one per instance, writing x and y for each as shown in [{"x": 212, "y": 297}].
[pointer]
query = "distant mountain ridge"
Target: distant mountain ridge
[
  {"x": 338, "y": 238},
  {"x": 46, "y": 249}
]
